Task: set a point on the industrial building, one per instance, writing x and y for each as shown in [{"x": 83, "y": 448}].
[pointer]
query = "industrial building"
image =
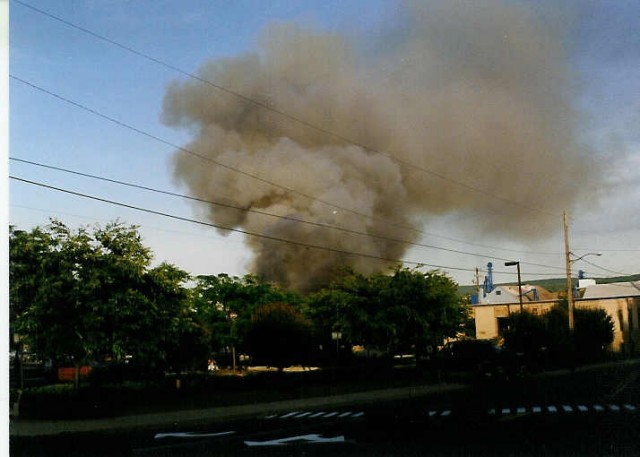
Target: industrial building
[{"x": 493, "y": 305}]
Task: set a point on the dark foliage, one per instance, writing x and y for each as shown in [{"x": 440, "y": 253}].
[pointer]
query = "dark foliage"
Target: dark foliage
[
  {"x": 546, "y": 340},
  {"x": 279, "y": 336}
]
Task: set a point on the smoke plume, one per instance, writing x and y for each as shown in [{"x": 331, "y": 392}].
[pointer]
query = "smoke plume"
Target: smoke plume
[{"x": 464, "y": 107}]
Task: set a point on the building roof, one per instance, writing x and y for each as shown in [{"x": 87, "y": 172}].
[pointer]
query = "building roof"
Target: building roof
[
  {"x": 509, "y": 294},
  {"x": 615, "y": 289}
]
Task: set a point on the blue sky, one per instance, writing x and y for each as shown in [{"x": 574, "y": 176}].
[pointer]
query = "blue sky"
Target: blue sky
[{"x": 602, "y": 42}]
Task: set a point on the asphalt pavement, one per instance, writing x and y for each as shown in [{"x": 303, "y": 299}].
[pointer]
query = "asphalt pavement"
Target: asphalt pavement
[{"x": 195, "y": 417}]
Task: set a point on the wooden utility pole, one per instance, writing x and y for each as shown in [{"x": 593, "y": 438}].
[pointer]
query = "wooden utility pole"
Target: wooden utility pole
[{"x": 567, "y": 256}]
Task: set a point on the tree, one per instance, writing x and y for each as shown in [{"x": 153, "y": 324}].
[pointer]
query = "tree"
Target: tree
[
  {"x": 279, "y": 335},
  {"x": 184, "y": 341},
  {"x": 402, "y": 312},
  {"x": 84, "y": 296},
  {"x": 426, "y": 309},
  {"x": 594, "y": 330},
  {"x": 548, "y": 335},
  {"x": 224, "y": 305}
]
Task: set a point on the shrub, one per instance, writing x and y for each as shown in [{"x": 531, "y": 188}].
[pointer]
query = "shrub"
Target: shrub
[
  {"x": 279, "y": 336},
  {"x": 592, "y": 334},
  {"x": 546, "y": 339}
]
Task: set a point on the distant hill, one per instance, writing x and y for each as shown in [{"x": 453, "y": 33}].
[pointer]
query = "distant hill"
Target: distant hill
[{"x": 553, "y": 285}]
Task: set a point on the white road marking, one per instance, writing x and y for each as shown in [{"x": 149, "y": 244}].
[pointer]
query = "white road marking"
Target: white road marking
[
  {"x": 598, "y": 408},
  {"x": 191, "y": 435},
  {"x": 284, "y": 416},
  {"x": 446, "y": 413},
  {"x": 552, "y": 409},
  {"x": 582, "y": 408},
  {"x": 567, "y": 408},
  {"x": 331, "y": 414},
  {"x": 321, "y": 413},
  {"x": 614, "y": 407},
  {"x": 630, "y": 407},
  {"x": 506, "y": 410},
  {"x": 300, "y": 416},
  {"x": 312, "y": 438},
  {"x": 521, "y": 410},
  {"x": 348, "y": 413},
  {"x": 432, "y": 413},
  {"x": 360, "y": 414},
  {"x": 536, "y": 409},
  {"x": 492, "y": 412}
]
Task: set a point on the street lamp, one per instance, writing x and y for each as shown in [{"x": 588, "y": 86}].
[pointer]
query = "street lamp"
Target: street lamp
[{"x": 516, "y": 263}]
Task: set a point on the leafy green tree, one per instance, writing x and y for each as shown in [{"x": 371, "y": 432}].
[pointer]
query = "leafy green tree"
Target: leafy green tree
[
  {"x": 402, "y": 312},
  {"x": 594, "y": 330},
  {"x": 88, "y": 296},
  {"x": 548, "y": 335},
  {"x": 184, "y": 341},
  {"x": 279, "y": 336},
  {"x": 527, "y": 333},
  {"x": 426, "y": 307},
  {"x": 224, "y": 305}
]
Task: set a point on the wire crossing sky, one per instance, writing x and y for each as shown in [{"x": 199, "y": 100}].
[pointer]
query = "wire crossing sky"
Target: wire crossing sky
[{"x": 530, "y": 102}]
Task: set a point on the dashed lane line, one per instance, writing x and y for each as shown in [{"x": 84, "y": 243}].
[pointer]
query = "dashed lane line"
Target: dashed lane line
[
  {"x": 549, "y": 409},
  {"x": 501, "y": 412},
  {"x": 316, "y": 415}
]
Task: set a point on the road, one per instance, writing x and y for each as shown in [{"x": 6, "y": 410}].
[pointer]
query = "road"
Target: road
[{"x": 593, "y": 413}]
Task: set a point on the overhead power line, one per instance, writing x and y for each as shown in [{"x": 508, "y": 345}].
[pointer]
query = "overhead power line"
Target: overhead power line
[
  {"x": 237, "y": 170},
  {"x": 246, "y": 232},
  {"x": 279, "y": 112},
  {"x": 604, "y": 269},
  {"x": 265, "y": 213},
  {"x": 222, "y": 227}
]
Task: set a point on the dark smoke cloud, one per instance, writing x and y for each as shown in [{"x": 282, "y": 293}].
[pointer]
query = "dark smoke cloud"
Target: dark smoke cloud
[{"x": 476, "y": 91}]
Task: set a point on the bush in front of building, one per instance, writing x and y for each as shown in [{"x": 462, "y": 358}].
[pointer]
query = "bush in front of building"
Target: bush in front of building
[{"x": 546, "y": 341}]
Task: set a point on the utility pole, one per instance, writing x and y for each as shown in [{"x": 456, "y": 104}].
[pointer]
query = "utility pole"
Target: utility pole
[{"x": 567, "y": 256}]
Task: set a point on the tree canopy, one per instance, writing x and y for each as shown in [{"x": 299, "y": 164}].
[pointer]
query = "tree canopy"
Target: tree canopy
[
  {"x": 91, "y": 294},
  {"x": 401, "y": 312},
  {"x": 224, "y": 305},
  {"x": 279, "y": 335},
  {"x": 88, "y": 295}
]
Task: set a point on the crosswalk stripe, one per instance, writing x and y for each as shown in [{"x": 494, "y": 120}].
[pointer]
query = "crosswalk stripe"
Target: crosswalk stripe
[
  {"x": 300, "y": 416},
  {"x": 360, "y": 414},
  {"x": 582, "y": 408},
  {"x": 348, "y": 413},
  {"x": 614, "y": 407},
  {"x": 536, "y": 409},
  {"x": 284, "y": 416},
  {"x": 598, "y": 408},
  {"x": 521, "y": 410},
  {"x": 432, "y": 413},
  {"x": 313, "y": 416},
  {"x": 331, "y": 414},
  {"x": 506, "y": 410},
  {"x": 567, "y": 408},
  {"x": 552, "y": 409},
  {"x": 492, "y": 412},
  {"x": 630, "y": 407}
]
